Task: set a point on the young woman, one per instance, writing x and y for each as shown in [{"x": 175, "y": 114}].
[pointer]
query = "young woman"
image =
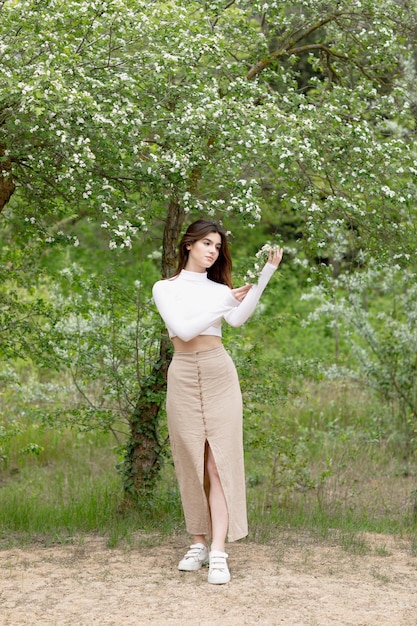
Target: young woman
[{"x": 204, "y": 403}]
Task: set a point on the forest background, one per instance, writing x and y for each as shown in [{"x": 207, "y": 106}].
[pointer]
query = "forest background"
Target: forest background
[{"x": 294, "y": 123}]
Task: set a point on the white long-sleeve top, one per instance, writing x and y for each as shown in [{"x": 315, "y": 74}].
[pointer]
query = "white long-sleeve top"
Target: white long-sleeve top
[{"x": 191, "y": 304}]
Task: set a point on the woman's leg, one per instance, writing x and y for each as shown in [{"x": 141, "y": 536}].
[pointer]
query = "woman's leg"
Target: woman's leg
[
  {"x": 217, "y": 503},
  {"x": 200, "y": 539}
]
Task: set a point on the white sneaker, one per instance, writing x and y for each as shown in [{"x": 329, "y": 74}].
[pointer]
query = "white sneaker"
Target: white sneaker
[
  {"x": 218, "y": 571},
  {"x": 196, "y": 557}
]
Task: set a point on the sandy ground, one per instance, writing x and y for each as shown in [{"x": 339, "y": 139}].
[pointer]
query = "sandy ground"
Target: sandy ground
[{"x": 296, "y": 582}]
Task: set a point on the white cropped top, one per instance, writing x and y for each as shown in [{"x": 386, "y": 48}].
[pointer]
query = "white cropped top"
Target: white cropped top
[{"x": 191, "y": 304}]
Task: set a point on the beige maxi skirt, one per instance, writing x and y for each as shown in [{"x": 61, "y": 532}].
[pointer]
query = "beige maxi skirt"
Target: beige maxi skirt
[{"x": 204, "y": 407}]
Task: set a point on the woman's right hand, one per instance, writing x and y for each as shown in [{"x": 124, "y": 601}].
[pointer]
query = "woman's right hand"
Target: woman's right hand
[
  {"x": 240, "y": 292},
  {"x": 275, "y": 256}
]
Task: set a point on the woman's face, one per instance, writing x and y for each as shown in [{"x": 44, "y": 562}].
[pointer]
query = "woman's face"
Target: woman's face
[{"x": 202, "y": 254}]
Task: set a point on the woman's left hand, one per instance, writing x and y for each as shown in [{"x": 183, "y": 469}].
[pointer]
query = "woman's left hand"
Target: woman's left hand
[
  {"x": 275, "y": 256},
  {"x": 239, "y": 293}
]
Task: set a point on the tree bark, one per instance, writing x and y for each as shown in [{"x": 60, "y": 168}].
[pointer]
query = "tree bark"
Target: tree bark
[
  {"x": 173, "y": 226},
  {"x": 7, "y": 185},
  {"x": 143, "y": 454}
]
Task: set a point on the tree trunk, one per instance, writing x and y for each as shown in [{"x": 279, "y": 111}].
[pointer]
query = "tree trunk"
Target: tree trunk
[
  {"x": 7, "y": 185},
  {"x": 143, "y": 452}
]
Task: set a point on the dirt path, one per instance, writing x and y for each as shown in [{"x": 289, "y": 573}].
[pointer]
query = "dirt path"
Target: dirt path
[{"x": 297, "y": 582}]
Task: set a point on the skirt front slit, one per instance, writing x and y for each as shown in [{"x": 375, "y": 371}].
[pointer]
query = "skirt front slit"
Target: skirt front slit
[{"x": 204, "y": 407}]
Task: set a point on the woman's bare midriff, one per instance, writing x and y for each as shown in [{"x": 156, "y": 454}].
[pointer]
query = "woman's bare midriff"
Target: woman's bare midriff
[{"x": 198, "y": 344}]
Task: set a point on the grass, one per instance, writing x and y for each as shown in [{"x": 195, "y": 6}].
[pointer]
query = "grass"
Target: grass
[
  {"x": 71, "y": 487},
  {"x": 329, "y": 469},
  {"x": 332, "y": 464}
]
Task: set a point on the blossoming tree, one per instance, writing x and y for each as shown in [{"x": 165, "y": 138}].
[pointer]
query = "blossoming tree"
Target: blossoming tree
[{"x": 128, "y": 112}]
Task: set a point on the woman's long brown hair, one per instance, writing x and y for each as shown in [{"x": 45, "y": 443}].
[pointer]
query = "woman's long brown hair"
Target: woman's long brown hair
[{"x": 221, "y": 270}]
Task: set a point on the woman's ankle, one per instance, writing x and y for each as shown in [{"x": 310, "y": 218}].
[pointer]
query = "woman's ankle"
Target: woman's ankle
[
  {"x": 199, "y": 539},
  {"x": 217, "y": 547}
]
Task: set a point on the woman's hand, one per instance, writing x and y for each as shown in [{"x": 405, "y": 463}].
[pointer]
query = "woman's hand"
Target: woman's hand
[
  {"x": 240, "y": 292},
  {"x": 275, "y": 256}
]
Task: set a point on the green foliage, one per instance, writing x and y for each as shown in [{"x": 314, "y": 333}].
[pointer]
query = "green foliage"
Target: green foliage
[
  {"x": 110, "y": 111},
  {"x": 356, "y": 480},
  {"x": 120, "y": 118},
  {"x": 105, "y": 340},
  {"x": 70, "y": 488},
  {"x": 351, "y": 478},
  {"x": 57, "y": 491},
  {"x": 377, "y": 309}
]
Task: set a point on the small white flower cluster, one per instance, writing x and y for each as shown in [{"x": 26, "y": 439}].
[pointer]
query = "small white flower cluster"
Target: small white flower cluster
[
  {"x": 265, "y": 251},
  {"x": 261, "y": 258}
]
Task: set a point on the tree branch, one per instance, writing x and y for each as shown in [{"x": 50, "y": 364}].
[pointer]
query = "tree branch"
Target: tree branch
[
  {"x": 229, "y": 4},
  {"x": 283, "y": 50},
  {"x": 89, "y": 30},
  {"x": 257, "y": 69}
]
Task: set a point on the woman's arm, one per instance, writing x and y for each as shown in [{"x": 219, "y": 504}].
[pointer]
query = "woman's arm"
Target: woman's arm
[
  {"x": 172, "y": 312},
  {"x": 234, "y": 305},
  {"x": 239, "y": 315}
]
